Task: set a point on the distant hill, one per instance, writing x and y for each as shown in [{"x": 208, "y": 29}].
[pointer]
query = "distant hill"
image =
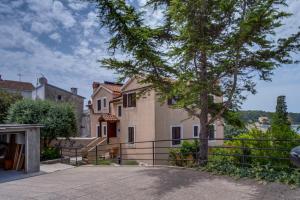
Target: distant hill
[{"x": 253, "y": 115}]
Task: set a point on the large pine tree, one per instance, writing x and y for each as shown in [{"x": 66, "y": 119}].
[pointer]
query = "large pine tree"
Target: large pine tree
[{"x": 201, "y": 48}]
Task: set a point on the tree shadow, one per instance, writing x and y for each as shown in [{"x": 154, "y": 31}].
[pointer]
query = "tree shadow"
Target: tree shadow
[{"x": 167, "y": 180}]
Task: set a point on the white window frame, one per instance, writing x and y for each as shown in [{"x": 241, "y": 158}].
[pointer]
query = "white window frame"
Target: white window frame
[
  {"x": 118, "y": 110},
  {"x": 104, "y": 124},
  {"x": 134, "y": 136},
  {"x": 193, "y": 136},
  {"x": 171, "y": 135}
]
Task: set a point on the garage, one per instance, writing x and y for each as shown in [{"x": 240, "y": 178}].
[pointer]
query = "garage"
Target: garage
[{"x": 19, "y": 149}]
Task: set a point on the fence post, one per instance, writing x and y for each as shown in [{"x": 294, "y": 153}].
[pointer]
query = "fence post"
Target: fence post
[
  {"x": 243, "y": 152},
  {"x": 96, "y": 154},
  {"x": 153, "y": 153},
  {"x": 76, "y": 155},
  {"x": 120, "y": 156}
]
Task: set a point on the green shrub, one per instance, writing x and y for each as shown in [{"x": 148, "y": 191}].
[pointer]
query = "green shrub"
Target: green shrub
[
  {"x": 58, "y": 119},
  {"x": 185, "y": 155},
  {"x": 6, "y": 100},
  {"x": 104, "y": 162},
  {"x": 49, "y": 153}
]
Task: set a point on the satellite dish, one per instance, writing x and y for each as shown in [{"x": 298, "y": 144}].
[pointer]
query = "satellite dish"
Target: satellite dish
[{"x": 295, "y": 156}]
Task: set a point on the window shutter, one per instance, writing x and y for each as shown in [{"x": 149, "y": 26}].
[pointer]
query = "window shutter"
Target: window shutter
[{"x": 124, "y": 100}]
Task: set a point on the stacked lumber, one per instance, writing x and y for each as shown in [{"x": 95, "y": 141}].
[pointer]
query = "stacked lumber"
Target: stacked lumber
[{"x": 16, "y": 157}]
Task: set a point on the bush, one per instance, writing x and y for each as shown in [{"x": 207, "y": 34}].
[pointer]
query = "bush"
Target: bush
[
  {"x": 59, "y": 119},
  {"x": 6, "y": 100},
  {"x": 250, "y": 162},
  {"x": 50, "y": 153},
  {"x": 185, "y": 155}
]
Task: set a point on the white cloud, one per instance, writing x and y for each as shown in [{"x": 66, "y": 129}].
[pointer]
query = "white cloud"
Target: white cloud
[
  {"x": 77, "y": 5},
  {"x": 49, "y": 12},
  {"x": 55, "y": 36},
  {"x": 42, "y": 27}
]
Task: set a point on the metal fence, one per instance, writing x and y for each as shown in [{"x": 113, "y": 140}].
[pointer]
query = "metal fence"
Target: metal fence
[{"x": 244, "y": 152}]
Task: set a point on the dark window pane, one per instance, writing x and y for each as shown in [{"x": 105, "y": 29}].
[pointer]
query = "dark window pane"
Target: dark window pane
[
  {"x": 99, "y": 105},
  {"x": 176, "y": 135},
  {"x": 196, "y": 131},
  {"x": 132, "y": 100},
  {"x": 124, "y": 100},
  {"x": 131, "y": 135},
  {"x": 211, "y": 132},
  {"x": 119, "y": 111},
  {"x": 104, "y": 103}
]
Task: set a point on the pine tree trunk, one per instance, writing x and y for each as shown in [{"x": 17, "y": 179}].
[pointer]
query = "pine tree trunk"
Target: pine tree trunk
[{"x": 203, "y": 154}]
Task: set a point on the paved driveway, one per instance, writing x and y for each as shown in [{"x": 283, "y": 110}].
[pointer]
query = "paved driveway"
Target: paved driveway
[{"x": 140, "y": 183}]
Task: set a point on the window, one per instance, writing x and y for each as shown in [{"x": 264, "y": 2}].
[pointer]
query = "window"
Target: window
[
  {"x": 59, "y": 97},
  {"x": 104, "y": 102},
  {"x": 196, "y": 131},
  {"x": 131, "y": 135},
  {"x": 104, "y": 130},
  {"x": 129, "y": 100},
  {"x": 176, "y": 135},
  {"x": 211, "y": 132},
  {"x": 119, "y": 111},
  {"x": 99, "y": 105},
  {"x": 98, "y": 131}
]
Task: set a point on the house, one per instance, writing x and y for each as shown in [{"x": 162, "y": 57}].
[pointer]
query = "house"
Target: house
[
  {"x": 23, "y": 88},
  {"x": 46, "y": 91},
  {"x": 119, "y": 116}
]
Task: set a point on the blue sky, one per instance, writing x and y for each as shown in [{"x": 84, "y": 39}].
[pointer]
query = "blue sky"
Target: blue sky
[{"x": 61, "y": 39}]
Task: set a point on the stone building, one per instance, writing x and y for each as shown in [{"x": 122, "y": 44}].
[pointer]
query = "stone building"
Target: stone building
[{"x": 46, "y": 91}]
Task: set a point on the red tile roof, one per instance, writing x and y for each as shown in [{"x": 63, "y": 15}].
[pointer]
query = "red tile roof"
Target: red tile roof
[
  {"x": 16, "y": 85},
  {"x": 108, "y": 117},
  {"x": 112, "y": 87}
]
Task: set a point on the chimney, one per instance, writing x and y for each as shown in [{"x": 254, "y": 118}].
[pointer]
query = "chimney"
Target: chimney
[
  {"x": 43, "y": 80},
  {"x": 74, "y": 90},
  {"x": 96, "y": 85}
]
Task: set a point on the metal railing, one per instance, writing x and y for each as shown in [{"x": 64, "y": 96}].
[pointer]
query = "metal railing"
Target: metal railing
[
  {"x": 243, "y": 152},
  {"x": 71, "y": 154}
]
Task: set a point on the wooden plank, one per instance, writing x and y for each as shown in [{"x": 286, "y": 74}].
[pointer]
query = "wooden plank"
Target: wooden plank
[
  {"x": 21, "y": 164},
  {"x": 19, "y": 156},
  {"x": 16, "y": 156}
]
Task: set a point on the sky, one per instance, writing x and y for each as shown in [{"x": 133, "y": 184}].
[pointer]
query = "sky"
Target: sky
[{"x": 62, "y": 40}]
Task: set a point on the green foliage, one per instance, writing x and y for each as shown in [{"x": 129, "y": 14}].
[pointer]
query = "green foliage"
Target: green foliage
[
  {"x": 265, "y": 172},
  {"x": 6, "y": 100},
  {"x": 243, "y": 156},
  {"x": 250, "y": 116},
  {"x": 49, "y": 153},
  {"x": 280, "y": 117},
  {"x": 59, "y": 119},
  {"x": 185, "y": 155},
  {"x": 104, "y": 162}
]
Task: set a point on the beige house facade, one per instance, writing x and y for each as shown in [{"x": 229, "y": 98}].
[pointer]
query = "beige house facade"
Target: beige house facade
[{"x": 119, "y": 114}]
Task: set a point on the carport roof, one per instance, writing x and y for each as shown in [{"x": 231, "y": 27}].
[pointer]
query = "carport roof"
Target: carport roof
[{"x": 19, "y": 126}]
